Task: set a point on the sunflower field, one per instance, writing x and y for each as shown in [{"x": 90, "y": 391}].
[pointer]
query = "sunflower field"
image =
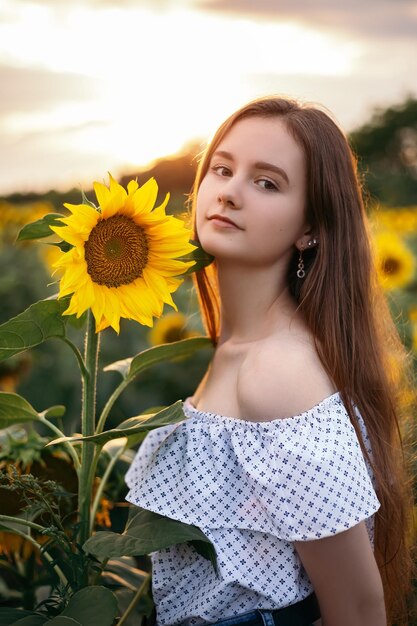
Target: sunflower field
[
  {"x": 55, "y": 565},
  {"x": 394, "y": 233}
]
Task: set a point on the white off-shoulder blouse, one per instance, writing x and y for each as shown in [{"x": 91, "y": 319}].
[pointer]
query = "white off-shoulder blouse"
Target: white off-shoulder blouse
[{"x": 253, "y": 488}]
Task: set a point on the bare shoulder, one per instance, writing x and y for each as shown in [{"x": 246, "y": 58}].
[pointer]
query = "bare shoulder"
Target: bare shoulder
[{"x": 281, "y": 377}]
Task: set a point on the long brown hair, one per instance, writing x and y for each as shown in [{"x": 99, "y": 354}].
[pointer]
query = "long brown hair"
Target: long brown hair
[{"x": 347, "y": 313}]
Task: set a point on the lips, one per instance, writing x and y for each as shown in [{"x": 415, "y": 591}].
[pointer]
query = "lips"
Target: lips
[{"x": 223, "y": 218}]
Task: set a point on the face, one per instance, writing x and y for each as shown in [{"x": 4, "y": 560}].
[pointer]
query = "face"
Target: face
[{"x": 251, "y": 202}]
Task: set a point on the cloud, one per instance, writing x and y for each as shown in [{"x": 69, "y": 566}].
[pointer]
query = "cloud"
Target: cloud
[
  {"x": 376, "y": 18},
  {"x": 37, "y": 160},
  {"x": 37, "y": 89},
  {"x": 149, "y": 4},
  {"x": 370, "y": 92}
]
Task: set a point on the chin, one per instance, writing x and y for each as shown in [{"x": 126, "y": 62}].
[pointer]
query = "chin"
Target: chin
[{"x": 215, "y": 248}]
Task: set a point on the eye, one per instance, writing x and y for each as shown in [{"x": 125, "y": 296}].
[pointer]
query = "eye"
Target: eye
[
  {"x": 221, "y": 170},
  {"x": 267, "y": 184}
]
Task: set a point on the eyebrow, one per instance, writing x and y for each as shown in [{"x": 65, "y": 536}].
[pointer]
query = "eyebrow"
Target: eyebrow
[{"x": 260, "y": 165}]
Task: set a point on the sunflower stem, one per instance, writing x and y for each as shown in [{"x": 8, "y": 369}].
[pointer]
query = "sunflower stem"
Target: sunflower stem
[
  {"x": 140, "y": 592},
  {"x": 86, "y": 478},
  {"x": 22, "y": 522}
]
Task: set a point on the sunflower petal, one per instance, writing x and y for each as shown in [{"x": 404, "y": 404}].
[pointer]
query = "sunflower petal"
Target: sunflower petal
[
  {"x": 103, "y": 194},
  {"x": 87, "y": 214},
  {"x": 144, "y": 197},
  {"x": 75, "y": 239},
  {"x": 161, "y": 208},
  {"x": 131, "y": 187}
]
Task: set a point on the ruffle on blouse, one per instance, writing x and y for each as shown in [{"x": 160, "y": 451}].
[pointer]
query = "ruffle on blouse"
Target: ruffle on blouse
[{"x": 298, "y": 478}]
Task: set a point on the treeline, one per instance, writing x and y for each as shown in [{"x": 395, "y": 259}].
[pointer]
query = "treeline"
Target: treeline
[{"x": 386, "y": 147}]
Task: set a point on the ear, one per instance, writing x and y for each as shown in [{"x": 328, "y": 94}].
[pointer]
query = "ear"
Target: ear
[{"x": 307, "y": 240}]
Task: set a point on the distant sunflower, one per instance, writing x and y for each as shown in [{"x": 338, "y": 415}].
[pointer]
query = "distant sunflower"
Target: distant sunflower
[
  {"x": 401, "y": 220},
  {"x": 124, "y": 258},
  {"x": 11, "y": 544},
  {"x": 395, "y": 261},
  {"x": 171, "y": 327}
]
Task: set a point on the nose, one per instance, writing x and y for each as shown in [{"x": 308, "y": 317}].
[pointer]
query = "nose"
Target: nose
[
  {"x": 230, "y": 191},
  {"x": 227, "y": 198}
]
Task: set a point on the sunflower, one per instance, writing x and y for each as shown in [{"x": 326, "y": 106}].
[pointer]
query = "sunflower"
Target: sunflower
[
  {"x": 171, "y": 327},
  {"x": 395, "y": 261},
  {"x": 124, "y": 259},
  {"x": 401, "y": 220}
]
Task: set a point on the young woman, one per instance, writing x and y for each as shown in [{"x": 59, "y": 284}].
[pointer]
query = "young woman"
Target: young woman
[{"x": 290, "y": 460}]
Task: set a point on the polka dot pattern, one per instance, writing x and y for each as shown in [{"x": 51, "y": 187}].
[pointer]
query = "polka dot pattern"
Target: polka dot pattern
[{"x": 253, "y": 488}]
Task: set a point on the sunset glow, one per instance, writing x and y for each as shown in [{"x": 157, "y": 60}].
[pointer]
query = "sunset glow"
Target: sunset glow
[{"x": 155, "y": 80}]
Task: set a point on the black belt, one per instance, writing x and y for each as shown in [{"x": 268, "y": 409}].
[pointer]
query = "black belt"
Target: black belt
[{"x": 302, "y": 613}]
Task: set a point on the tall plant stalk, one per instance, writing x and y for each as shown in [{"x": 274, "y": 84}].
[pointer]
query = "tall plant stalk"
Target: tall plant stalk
[{"x": 88, "y": 418}]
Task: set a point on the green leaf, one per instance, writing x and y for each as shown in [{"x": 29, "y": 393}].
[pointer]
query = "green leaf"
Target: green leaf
[
  {"x": 10, "y": 616},
  {"x": 200, "y": 256},
  {"x": 62, "y": 245},
  {"x": 39, "y": 322},
  {"x": 141, "y": 423},
  {"x": 40, "y": 228},
  {"x": 92, "y": 606},
  {"x": 15, "y": 410},
  {"x": 131, "y": 367},
  {"x": 148, "y": 532},
  {"x": 33, "y": 620},
  {"x": 85, "y": 200},
  {"x": 54, "y": 411},
  {"x": 61, "y": 620}
]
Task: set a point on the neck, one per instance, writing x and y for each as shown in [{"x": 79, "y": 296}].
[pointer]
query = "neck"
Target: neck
[{"x": 255, "y": 302}]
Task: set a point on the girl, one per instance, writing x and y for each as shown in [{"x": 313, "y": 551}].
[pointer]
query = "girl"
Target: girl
[{"x": 290, "y": 459}]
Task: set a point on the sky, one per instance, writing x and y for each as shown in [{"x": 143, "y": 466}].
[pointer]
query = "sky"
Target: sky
[{"x": 93, "y": 86}]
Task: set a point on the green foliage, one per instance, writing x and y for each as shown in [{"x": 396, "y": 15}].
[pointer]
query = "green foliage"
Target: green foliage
[
  {"x": 23, "y": 446},
  {"x": 15, "y": 410},
  {"x": 387, "y": 150},
  {"x": 65, "y": 621},
  {"x": 48, "y": 516},
  {"x": 38, "y": 323},
  {"x": 133, "y": 426},
  {"x": 131, "y": 367},
  {"x": 10, "y": 617},
  {"x": 92, "y": 605},
  {"x": 201, "y": 258},
  {"x": 40, "y": 228},
  {"x": 32, "y": 620},
  {"x": 147, "y": 532}
]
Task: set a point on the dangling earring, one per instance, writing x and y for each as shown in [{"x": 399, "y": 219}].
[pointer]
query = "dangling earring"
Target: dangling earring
[{"x": 300, "y": 272}]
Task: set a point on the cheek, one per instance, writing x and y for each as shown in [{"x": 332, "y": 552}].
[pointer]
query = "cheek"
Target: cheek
[
  {"x": 198, "y": 214},
  {"x": 201, "y": 204}
]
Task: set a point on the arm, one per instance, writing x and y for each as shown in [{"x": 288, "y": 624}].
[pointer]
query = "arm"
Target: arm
[{"x": 345, "y": 577}]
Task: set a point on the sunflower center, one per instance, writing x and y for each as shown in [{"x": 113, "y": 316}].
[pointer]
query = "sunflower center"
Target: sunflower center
[
  {"x": 173, "y": 334},
  {"x": 390, "y": 266},
  {"x": 116, "y": 251}
]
